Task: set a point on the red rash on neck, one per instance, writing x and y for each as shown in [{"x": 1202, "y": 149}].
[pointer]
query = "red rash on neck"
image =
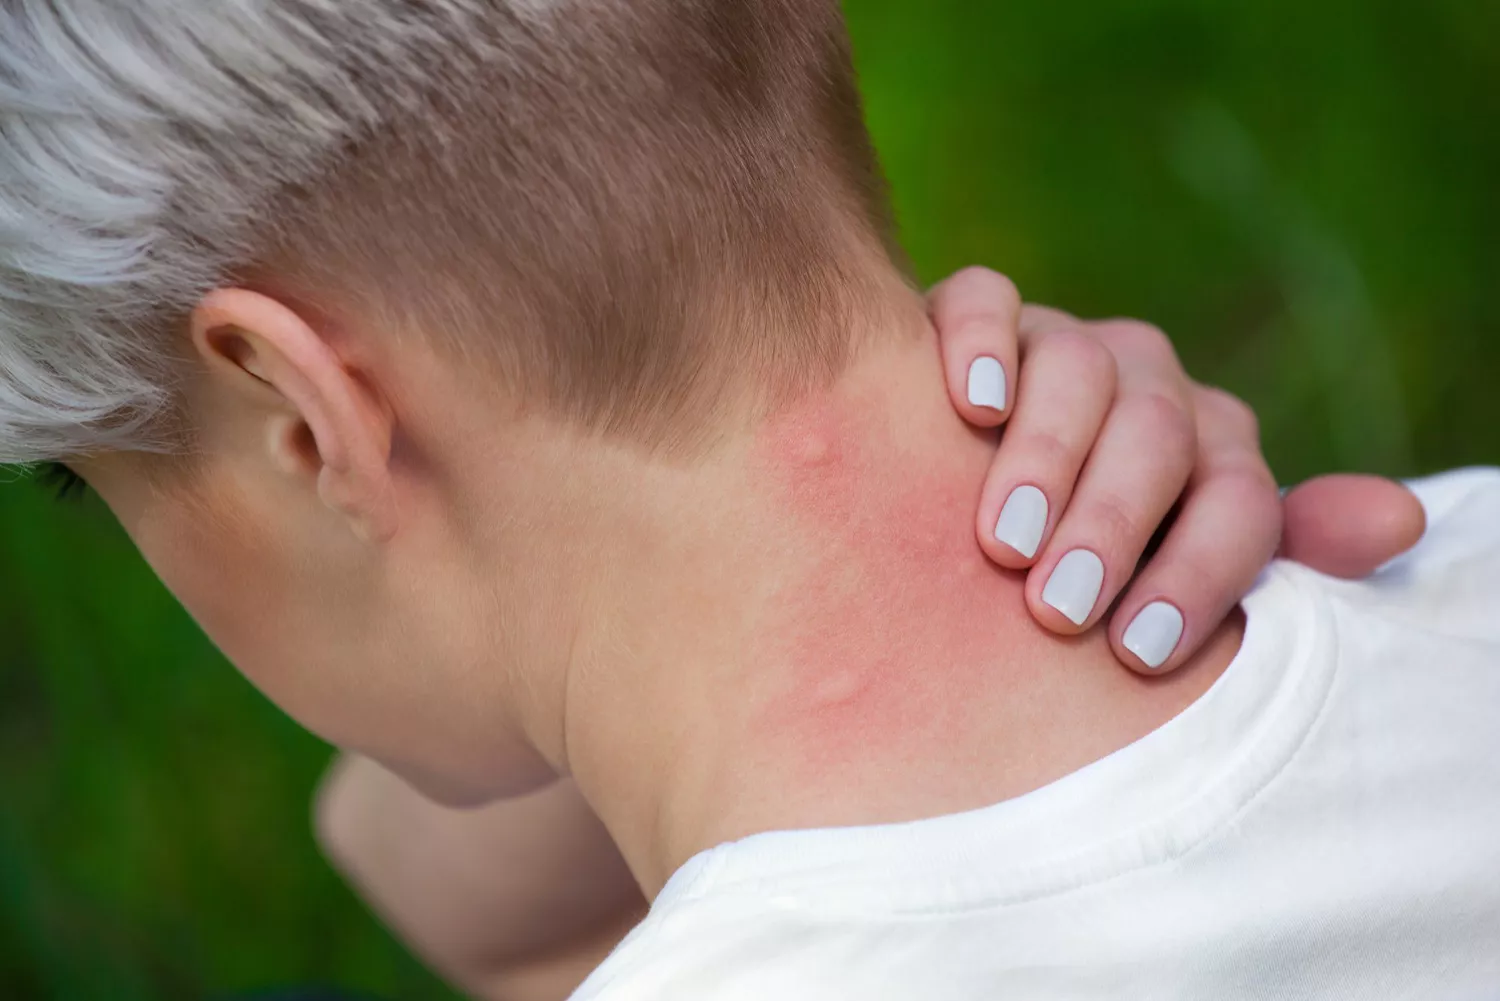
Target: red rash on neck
[
  {"x": 872, "y": 649},
  {"x": 810, "y": 455}
]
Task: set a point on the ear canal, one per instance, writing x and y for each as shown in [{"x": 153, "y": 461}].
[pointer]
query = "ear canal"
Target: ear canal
[{"x": 293, "y": 447}]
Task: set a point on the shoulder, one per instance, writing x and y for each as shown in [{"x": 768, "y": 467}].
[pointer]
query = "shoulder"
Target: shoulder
[
  {"x": 1454, "y": 498},
  {"x": 722, "y": 945},
  {"x": 1450, "y": 581},
  {"x": 1463, "y": 522}
]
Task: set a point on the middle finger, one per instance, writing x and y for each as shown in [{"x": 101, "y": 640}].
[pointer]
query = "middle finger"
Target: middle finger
[
  {"x": 1067, "y": 383},
  {"x": 1135, "y": 473}
]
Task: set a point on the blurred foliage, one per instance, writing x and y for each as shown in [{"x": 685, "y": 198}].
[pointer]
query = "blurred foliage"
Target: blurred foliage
[{"x": 1302, "y": 192}]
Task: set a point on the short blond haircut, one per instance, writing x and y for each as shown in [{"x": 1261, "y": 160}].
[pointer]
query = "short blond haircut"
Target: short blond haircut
[{"x": 626, "y": 205}]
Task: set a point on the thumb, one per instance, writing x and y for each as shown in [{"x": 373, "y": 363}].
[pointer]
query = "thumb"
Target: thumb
[{"x": 1347, "y": 525}]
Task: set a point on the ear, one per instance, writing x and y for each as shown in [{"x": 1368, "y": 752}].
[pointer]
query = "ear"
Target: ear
[{"x": 324, "y": 422}]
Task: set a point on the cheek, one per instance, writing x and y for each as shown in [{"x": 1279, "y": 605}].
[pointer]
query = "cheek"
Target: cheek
[
  {"x": 236, "y": 585},
  {"x": 298, "y": 610}
]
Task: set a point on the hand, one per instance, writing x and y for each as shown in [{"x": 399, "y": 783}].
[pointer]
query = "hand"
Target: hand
[
  {"x": 520, "y": 899},
  {"x": 1106, "y": 439}
]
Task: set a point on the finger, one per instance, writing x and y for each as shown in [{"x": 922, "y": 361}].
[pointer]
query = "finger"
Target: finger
[
  {"x": 1348, "y": 526},
  {"x": 1066, "y": 388},
  {"x": 1137, "y": 471},
  {"x": 977, "y": 313},
  {"x": 1225, "y": 533}
]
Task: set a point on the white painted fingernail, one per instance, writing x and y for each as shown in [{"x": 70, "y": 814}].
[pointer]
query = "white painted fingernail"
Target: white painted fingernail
[
  {"x": 1023, "y": 520},
  {"x": 1154, "y": 633},
  {"x": 987, "y": 383},
  {"x": 1074, "y": 585}
]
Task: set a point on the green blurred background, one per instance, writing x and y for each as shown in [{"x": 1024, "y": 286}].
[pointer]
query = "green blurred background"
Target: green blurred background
[{"x": 1302, "y": 192}]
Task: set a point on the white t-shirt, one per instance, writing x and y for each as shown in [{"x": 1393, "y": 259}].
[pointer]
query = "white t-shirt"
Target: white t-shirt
[{"x": 1323, "y": 823}]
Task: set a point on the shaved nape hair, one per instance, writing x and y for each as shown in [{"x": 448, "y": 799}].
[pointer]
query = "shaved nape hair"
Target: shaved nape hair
[{"x": 631, "y": 208}]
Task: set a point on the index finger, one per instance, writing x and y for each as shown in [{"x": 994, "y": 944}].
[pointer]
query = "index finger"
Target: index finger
[{"x": 977, "y": 313}]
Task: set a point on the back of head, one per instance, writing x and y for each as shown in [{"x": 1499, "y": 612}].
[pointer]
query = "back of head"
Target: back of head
[{"x": 629, "y": 208}]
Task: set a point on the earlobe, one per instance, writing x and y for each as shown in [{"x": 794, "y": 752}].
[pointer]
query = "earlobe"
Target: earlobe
[{"x": 317, "y": 418}]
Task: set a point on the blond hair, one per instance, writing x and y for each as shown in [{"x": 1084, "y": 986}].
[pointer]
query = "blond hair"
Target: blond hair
[{"x": 625, "y": 205}]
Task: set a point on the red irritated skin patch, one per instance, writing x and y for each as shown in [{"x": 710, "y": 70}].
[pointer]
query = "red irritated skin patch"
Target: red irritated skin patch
[{"x": 873, "y": 649}]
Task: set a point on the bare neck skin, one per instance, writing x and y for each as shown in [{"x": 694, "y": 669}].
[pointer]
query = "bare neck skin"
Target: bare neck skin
[{"x": 804, "y": 633}]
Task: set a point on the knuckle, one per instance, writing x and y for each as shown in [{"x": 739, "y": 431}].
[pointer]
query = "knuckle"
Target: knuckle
[
  {"x": 1137, "y": 337},
  {"x": 1246, "y": 496},
  {"x": 1045, "y": 319},
  {"x": 977, "y": 291},
  {"x": 1172, "y": 427},
  {"x": 1198, "y": 580},
  {"x": 1047, "y": 450},
  {"x": 1083, "y": 357},
  {"x": 1254, "y": 479},
  {"x": 1252, "y": 490},
  {"x": 1229, "y": 409},
  {"x": 1115, "y": 522}
]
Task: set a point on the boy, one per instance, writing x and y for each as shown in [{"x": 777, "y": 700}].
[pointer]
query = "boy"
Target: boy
[{"x": 544, "y": 376}]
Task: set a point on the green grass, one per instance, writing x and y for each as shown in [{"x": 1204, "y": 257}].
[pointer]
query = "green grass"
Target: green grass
[{"x": 1302, "y": 192}]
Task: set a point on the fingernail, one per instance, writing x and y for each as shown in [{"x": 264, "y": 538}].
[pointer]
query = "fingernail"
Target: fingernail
[
  {"x": 1023, "y": 520},
  {"x": 1154, "y": 633},
  {"x": 1074, "y": 585},
  {"x": 987, "y": 383}
]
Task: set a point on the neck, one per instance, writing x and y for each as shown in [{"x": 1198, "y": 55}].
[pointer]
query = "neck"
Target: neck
[{"x": 810, "y": 636}]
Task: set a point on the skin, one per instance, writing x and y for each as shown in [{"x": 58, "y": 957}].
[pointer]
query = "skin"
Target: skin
[
  {"x": 844, "y": 661},
  {"x": 522, "y": 898},
  {"x": 477, "y": 599},
  {"x": 893, "y": 672},
  {"x": 1104, "y": 421},
  {"x": 482, "y": 601}
]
